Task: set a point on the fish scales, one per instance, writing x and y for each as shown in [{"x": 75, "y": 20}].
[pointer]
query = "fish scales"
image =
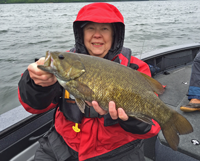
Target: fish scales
[
  {"x": 91, "y": 78},
  {"x": 117, "y": 84}
]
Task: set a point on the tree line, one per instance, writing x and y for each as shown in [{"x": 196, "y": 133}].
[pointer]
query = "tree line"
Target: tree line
[{"x": 55, "y": 1}]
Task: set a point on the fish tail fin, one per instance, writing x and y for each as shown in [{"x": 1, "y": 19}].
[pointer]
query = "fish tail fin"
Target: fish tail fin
[{"x": 176, "y": 126}]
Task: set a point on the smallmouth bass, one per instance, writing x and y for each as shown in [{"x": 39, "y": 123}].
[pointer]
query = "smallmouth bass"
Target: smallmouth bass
[{"x": 90, "y": 78}]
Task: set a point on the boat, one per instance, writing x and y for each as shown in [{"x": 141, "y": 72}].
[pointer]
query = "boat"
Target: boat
[{"x": 171, "y": 66}]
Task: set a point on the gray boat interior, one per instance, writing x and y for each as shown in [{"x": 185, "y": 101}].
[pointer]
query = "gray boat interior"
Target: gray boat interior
[
  {"x": 177, "y": 82},
  {"x": 171, "y": 67},
  {"x": 174, "y": 71}
]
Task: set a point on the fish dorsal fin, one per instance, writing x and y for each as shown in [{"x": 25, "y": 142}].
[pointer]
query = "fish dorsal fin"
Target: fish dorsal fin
[
  {"x": 143, "y": 118},
  {"x": 155, "y": 85},
  {"x": 76, "y": 70}
]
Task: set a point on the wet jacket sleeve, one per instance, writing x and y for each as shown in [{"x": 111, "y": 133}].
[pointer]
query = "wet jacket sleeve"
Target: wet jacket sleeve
[
  {"x": 133, "y": 125},
  {"x": 36, "y": 99}
]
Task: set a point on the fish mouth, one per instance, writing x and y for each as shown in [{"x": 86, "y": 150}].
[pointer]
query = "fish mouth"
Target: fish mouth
[
  {"x": 49, "y": 60},
  {"x": 50, "y": 66},
  {"x": 49, "y": 63}
]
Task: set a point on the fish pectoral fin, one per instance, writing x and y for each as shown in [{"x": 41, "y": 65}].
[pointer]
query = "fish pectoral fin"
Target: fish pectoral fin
[
  {"x": 81, "y": 104},
  {"x": 78, "y": 89},
  {"x": 76, "y": 70},
  {"x": 45, "y": 68},
  {"x": 81, "y": 88},
  {"x": 85, "y": 90},
  {"x": 143, "y": 118},
  {"x": 155, "y": 85}
]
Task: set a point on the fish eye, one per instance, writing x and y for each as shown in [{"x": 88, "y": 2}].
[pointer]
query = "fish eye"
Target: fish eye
[{"x": 61, "y": 56}]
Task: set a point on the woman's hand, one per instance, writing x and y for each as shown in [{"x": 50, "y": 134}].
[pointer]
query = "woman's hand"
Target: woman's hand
[
  {"x": 41, "y": 77},
  {"x": 115, "y": 114}
]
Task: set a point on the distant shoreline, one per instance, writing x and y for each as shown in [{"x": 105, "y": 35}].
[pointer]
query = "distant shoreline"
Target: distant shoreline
[{"x": 59, "y": 1}]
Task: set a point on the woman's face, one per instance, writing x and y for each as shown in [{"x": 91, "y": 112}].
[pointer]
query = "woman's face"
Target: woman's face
[{"x": 98, "y": 38}]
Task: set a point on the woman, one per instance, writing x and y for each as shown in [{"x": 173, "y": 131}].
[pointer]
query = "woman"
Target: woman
[{"x": 99, "y": 31}]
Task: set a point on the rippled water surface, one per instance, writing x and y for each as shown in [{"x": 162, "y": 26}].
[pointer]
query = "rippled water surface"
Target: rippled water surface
[{"x": 28, "y": 30}]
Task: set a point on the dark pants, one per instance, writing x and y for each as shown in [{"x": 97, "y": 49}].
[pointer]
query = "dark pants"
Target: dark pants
[
  {"x": 194, "y": 88},
  {"x": 53, "y": 148}
]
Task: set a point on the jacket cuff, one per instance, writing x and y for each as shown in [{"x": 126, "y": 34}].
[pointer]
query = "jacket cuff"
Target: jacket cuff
[
  {"x": 134, "y": 126},
  {"x": 36, "y": 96}
]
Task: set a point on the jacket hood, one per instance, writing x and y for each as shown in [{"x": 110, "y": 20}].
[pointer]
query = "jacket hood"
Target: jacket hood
[{"x": 100, "y": 13}]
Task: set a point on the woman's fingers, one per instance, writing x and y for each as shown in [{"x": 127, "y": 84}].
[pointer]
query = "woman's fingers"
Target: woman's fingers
[
  {"x": 112, "y": 110},
  {"x": 122, "y": 115},
  {"x": 97, "y": 108},
  {"x": 115, "y": 114}
]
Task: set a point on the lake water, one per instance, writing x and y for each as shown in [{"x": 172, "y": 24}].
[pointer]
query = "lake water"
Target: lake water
[{"x": 27, "y": 31}]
